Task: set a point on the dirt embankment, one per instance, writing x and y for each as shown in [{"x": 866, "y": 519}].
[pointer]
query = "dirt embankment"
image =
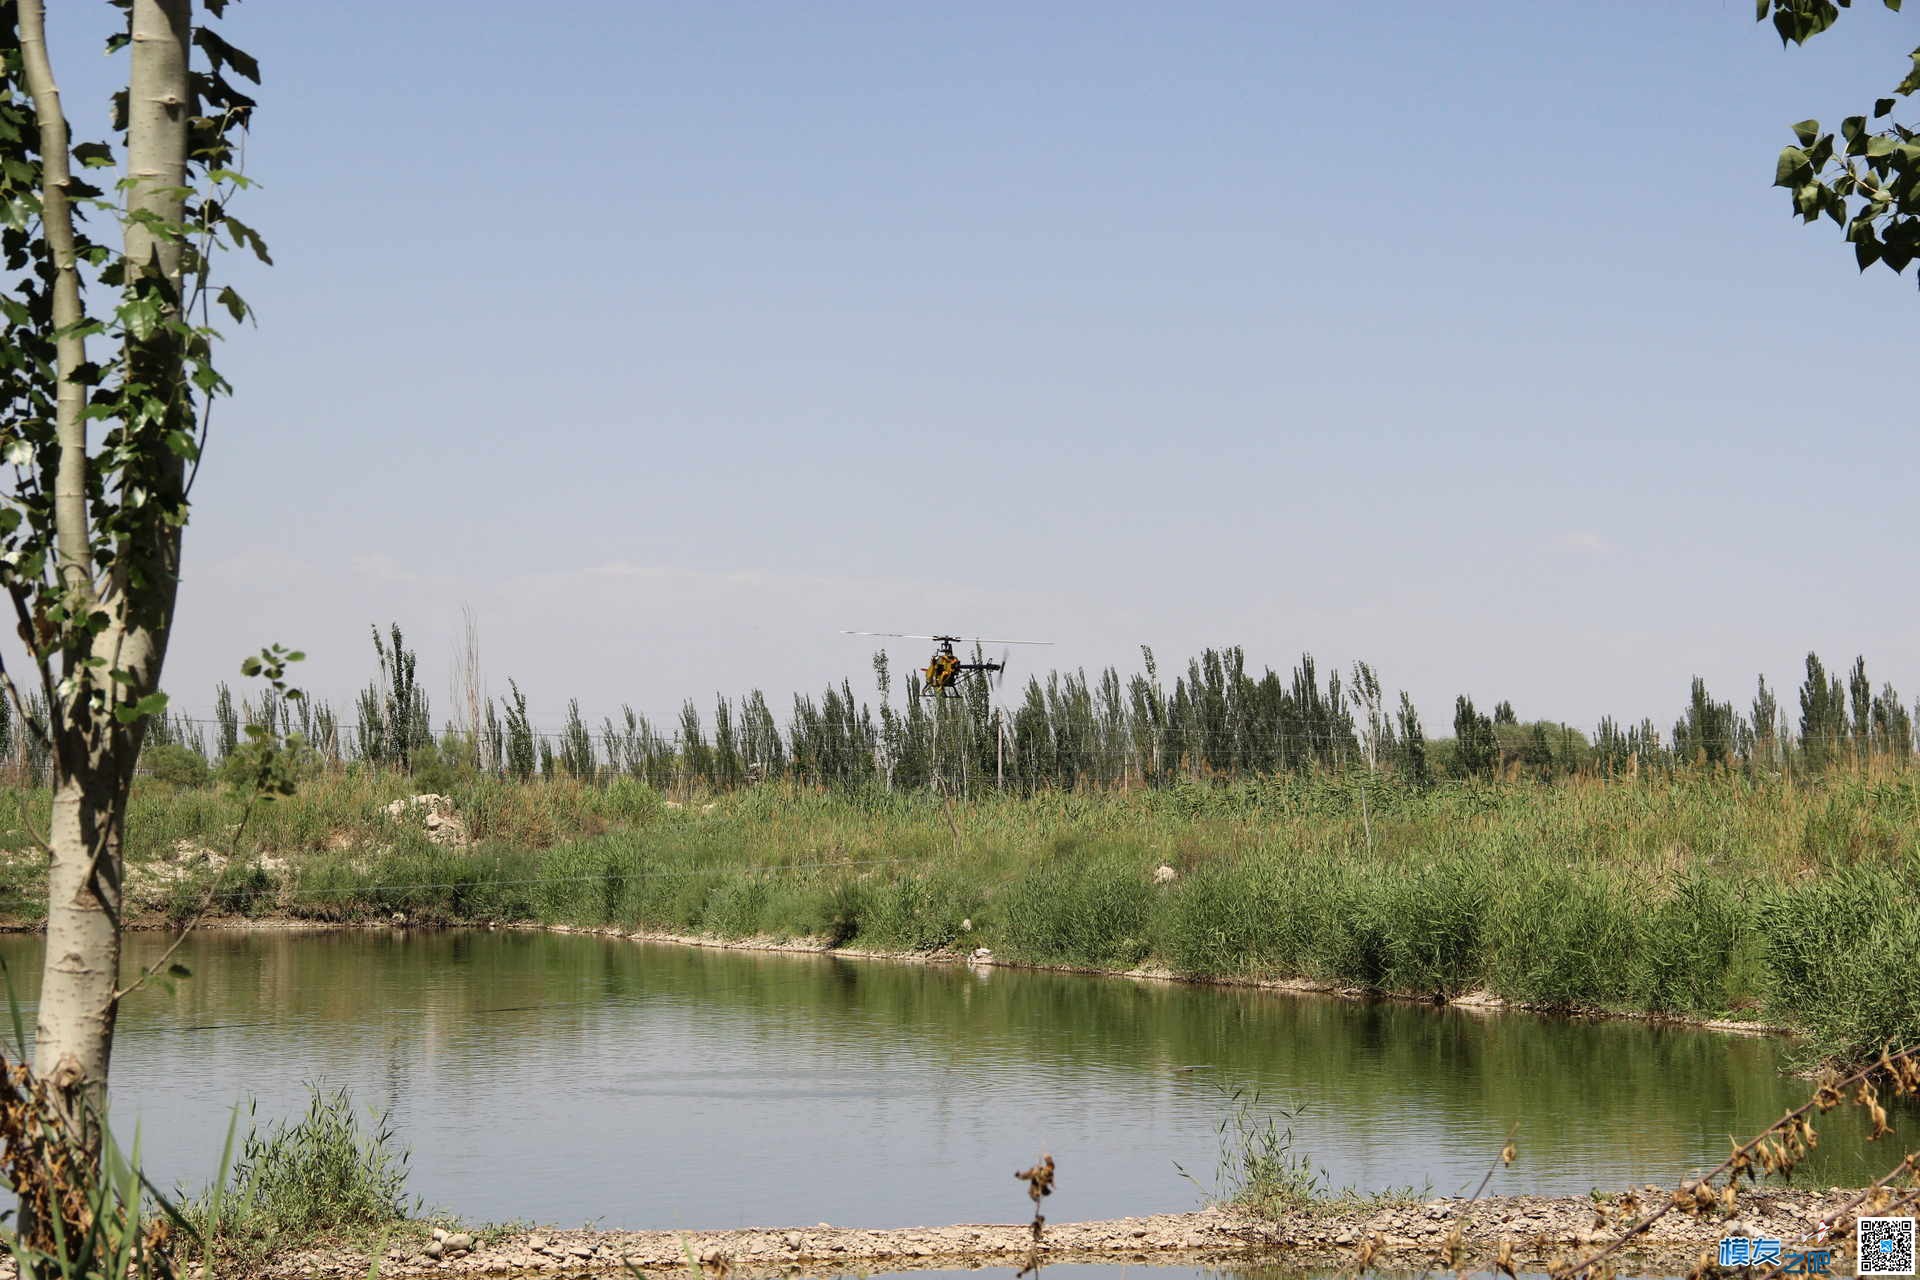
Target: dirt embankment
[{"x": 1408, "y": 1235}]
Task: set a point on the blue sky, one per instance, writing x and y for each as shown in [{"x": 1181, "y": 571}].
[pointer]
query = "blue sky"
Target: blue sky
[{"x": 670, "y": 339}]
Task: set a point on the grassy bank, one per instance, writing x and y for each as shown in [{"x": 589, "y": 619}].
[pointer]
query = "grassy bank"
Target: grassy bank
[{"x": 1705, "y": 896}]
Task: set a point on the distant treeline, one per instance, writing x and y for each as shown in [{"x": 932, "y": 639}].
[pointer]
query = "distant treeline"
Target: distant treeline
[{"x": 1066, "y": 730}]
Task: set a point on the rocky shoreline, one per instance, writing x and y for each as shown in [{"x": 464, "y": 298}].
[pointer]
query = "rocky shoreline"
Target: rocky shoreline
[{"x": 1538, "y": 1230}]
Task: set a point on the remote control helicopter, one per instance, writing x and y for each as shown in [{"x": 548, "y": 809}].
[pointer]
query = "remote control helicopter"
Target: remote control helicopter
[{"x": 942, "y": 673}]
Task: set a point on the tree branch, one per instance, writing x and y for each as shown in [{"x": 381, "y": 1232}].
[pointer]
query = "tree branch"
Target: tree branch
[{"x": 56, "y": 215}]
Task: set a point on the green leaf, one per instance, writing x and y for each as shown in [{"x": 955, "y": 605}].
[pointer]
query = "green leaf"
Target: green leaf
[
  {"x": 81, "y": 329},
  {"x": 246, "y": 235},
  {"x": 219, "y": 53},
  {"x": 235, "y": 305},
  {"x": 1866, "y": 252},
  {"x": 141, "y": 316},
  {"x": 1881, "y": 106},
  {"x": 151, "y": 705},
  {"x": 1792, "y": 168},
  {"x": 94, "y": 155},
  {"x": 250, "y": 667},
  {"x": 1807, "y": 131}
]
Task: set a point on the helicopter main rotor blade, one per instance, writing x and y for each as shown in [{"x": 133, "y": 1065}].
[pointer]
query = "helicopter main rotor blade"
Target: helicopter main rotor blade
[{"x": 909, "y": 635}]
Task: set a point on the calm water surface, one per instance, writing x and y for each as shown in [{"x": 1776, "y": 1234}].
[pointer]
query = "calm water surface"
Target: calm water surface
[{"x": 570, "y": 1079}]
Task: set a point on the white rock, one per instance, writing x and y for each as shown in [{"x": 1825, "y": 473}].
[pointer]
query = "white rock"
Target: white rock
[
  {"x": 442, "y": 825},
  {"x": 1164, "y": 874},
  {"x": 980, "y": 956}
]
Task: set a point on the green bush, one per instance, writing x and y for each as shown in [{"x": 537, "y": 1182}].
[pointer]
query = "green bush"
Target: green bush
[
  {"x": 442, "y": 768},
  {"x": 176, "y": 765}
]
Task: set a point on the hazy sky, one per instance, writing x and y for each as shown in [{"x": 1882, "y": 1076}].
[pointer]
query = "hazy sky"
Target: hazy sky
[{"x": 671, "y": 339}]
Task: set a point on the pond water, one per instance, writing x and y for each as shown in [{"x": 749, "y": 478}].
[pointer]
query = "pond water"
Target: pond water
[{"x": 572, "y": 1079}]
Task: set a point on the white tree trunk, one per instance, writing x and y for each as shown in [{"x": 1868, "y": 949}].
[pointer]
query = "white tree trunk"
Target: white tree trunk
[{"x": 93, "y": 753}]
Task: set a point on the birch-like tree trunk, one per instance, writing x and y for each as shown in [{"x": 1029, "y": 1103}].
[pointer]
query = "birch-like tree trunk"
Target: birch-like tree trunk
[{"x": 131, "y": 601}]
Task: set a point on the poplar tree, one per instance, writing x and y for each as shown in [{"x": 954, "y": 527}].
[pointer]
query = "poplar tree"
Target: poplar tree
[
  {"x": 1706, "y": 734},
  {"x": 521, "y": 757},
  {"x": 1766, "y": 711},
  {"x": 576, "y": 745},
  {"x": 1475, "y": 750},
  {"x": 1866, "y": 178},
  {"x": 1860, "y": 695},
  {"x": 105, "y": 379},
  {"x": 1892, "y": 725},
  {"x": 1823, "y": 714},
  {"x": 1413, "y": 745}
]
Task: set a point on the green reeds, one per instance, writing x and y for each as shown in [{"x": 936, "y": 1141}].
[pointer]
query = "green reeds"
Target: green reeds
[{"x": 1694, "y": 894}]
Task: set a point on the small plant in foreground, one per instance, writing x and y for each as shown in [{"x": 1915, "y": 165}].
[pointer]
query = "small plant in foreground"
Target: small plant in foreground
[
  {"x": 321, "y": 1175},
  {"x": 1258, "y": 1169}
]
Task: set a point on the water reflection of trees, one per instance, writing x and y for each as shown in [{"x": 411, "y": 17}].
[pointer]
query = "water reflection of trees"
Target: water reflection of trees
[{"x": 1586, "y": 1096}]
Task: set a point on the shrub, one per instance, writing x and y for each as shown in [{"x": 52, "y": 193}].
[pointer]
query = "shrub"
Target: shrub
[{"x": 177, "y": 766}]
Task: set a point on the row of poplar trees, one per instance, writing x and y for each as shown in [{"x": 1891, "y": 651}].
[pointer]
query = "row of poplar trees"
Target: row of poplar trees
[{"x": 1065, "y": 730}]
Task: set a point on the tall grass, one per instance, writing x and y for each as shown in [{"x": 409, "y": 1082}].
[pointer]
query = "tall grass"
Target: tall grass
[
  {"x": 327, "y": 1174},
  {"x": 1693, "y": 895}
]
